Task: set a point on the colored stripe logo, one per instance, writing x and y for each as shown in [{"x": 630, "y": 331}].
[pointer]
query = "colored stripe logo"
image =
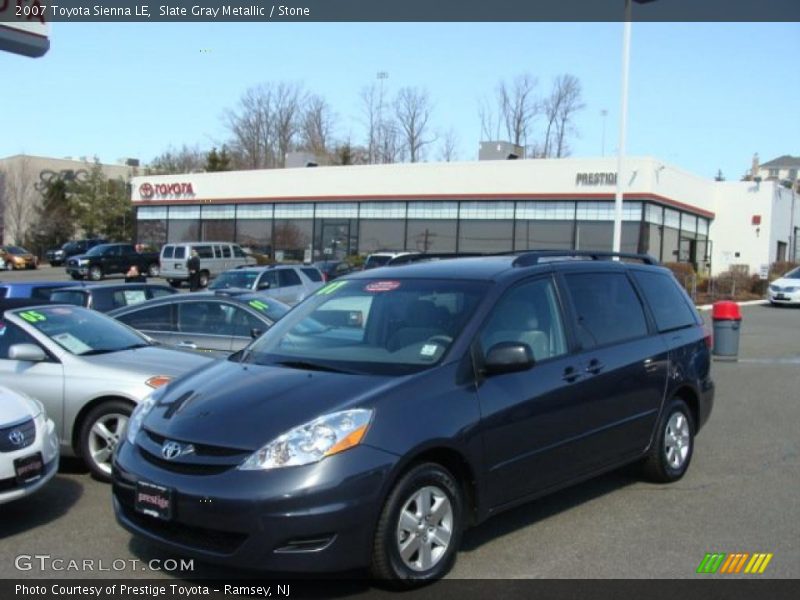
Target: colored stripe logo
[{"x": 734, "y": 563}]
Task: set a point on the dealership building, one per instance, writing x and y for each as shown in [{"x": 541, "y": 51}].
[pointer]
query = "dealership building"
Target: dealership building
[{"x": 305, "y": 214}]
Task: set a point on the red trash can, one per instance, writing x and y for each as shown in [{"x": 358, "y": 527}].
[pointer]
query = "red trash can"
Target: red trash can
[{"x": 727, "y": 318}]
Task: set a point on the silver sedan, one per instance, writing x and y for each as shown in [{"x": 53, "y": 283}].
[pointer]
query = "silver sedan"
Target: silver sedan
[{"x": 88, "y": 370}]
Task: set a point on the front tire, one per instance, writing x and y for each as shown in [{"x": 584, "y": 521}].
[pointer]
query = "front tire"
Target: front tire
[
  {"x": 669, "y": 457},
  {"x": 100, "y": 434},
  {"x": 420, "y": 526},
  {"x": 95, "y": 273}
]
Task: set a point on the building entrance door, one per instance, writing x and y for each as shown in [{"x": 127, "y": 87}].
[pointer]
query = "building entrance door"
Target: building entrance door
[{"x": 335, "y": 239}]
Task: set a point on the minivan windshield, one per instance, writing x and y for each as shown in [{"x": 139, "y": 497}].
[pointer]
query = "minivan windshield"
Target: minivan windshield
[{"x": 372, "y": 326}]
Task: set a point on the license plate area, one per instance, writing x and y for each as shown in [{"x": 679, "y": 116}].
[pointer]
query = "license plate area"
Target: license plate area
[
  {"x": 154, "y": 500},
  {"x": 781, "y": 297},
  {"x": 29, "y": 468}
]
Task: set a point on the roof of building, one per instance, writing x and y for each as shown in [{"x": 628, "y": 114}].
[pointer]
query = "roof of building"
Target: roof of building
[{"x": 782, "y": 162}]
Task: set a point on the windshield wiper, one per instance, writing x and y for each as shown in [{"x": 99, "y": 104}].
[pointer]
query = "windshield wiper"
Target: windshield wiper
[
  {"x": 96, "y": 351},
  {"x": 310, "y": 366}
]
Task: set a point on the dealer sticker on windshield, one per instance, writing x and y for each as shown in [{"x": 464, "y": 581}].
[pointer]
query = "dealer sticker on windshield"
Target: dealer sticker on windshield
[
  {"x": 429, "y": 350},
  {"x": 382, "y": 286}
]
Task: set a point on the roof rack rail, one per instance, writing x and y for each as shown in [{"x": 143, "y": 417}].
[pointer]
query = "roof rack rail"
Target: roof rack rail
[
  {"x": 535, "y": 257},
  {"x": 405, "y": 259}
]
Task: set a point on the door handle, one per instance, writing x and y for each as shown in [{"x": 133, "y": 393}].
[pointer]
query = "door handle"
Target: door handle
[
  {"x": 190, "y": 345},
  {"x": 571, "y": 374},
  {"x": 595, "y": 366}
]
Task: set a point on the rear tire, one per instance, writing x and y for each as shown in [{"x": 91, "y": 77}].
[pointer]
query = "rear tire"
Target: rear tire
[
  {"x": 101, "y": 432},
  {"x": 419, "y": 529},
  {"x": 669, "y": 456}
]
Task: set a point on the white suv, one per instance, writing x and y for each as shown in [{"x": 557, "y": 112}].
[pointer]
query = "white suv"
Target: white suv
[{"x": 379, "y": 259}]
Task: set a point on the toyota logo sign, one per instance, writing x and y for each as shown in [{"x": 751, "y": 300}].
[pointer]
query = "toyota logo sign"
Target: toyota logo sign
[
  {"x": 16, "y": 437},
  {"x": 171, "y": 450},
  {"x": 146, "y": 190}
]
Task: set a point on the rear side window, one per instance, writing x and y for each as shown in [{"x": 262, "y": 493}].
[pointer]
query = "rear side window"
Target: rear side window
[
  {"x": 238, "y": 252},
  {"x": 156, "y": 318},
  {"x": 288, "y": 277},
  {"x": 666, "y": 300},
  {"x": 168, "y": 251},
  {"x": 69, "y": 297},
  {"x": 226, "y": 251},
  {"x": 204, "y": 251},
  {"x": 607, "y": 308},
  {"x": 312, "y": 274}
]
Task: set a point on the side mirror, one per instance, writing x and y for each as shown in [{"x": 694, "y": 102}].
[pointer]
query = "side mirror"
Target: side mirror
[
  {"x": 508, "y": 357},
  {"x": 26, "y": 352},
  {"x": 264, "y": 285},
  {"x": 255, "y": 332}
]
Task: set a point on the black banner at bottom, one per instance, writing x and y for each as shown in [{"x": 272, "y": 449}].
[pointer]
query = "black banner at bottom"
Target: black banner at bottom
[{"x": 455, "y": 589}]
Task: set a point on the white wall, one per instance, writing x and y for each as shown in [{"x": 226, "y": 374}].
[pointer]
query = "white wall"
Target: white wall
[{"x": 732, "y": 230}]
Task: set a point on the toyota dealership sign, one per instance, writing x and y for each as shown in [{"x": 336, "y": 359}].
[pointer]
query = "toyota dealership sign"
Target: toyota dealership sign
[
  {"x": 149, "y": 191},
  {"x": 23, "y": 27}
]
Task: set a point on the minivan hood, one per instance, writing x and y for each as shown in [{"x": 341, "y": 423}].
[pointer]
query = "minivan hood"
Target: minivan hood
[
  {"x": 149, "y": 361},
  {"x": 245, "y": 406}
]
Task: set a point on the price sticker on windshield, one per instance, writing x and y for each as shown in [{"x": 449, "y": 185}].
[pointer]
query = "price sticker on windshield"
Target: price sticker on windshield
[{"x": 382, "y": 286}]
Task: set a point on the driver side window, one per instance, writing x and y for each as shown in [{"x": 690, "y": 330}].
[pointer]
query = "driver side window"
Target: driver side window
[{"x": 528, "y": 314}]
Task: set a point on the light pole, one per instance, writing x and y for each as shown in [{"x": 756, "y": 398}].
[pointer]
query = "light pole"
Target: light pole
[{"x": 623, "y": 117}]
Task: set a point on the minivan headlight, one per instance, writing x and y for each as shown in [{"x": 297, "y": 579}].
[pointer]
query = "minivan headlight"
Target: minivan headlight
[
  {"x": 313, "y": 441},
  {"x": 140, "y": 412}
]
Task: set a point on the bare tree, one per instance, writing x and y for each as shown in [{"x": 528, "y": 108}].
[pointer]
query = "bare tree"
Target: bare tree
[
  {"x": 185, "y": 159},
  {"x": 265, "y": 124},
  {"x": 559, "y": 108},
  {"x": 518, "y": 107},
  {"x": 370, "y": 107},
  {"x": 20, "y": 199},
  {"x": 569, "y": 88},
  {"x": 490, "y": 123},
  {"x": 317, "y": 126},
  {"x": 448, "y": 151},
  {"x": 413, "y": 112}
]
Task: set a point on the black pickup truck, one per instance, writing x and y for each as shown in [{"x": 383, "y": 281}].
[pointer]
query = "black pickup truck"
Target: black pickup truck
[{"x": 108, "y": 259}]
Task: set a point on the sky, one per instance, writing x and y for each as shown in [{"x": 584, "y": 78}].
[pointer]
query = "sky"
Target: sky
[{"x": 703, "y": 96}]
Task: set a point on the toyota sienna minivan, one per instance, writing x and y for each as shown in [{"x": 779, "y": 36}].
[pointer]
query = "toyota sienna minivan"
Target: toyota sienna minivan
[{"x": 396, "y": 407}]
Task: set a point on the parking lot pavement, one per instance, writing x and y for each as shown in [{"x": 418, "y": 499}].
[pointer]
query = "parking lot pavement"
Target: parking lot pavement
[
  {"x": 739, "y": 495},
  {"x": 47, "y": 273}
]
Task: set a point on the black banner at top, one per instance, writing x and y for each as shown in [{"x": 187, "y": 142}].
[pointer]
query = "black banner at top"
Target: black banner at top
[{"x": 60, "y": 11}]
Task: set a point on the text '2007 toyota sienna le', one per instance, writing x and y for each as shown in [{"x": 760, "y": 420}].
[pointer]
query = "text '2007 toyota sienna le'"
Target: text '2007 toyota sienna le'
[{"x": 396, "y": 407}]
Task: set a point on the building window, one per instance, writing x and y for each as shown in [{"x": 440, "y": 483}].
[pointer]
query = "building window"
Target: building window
[
  {"x": 152, "y": 225},
  {"x": 431, "y": 235},
  {"x": 218, "y": 223},
  {"x": 184, "y": 224},
  {"x": 549, "y": 211},
  {"x": 544, "y": 235},
  {"x": 486, "y": 210},
  {"x": 382, "y": 210},
  {"x": 334, "y": 210},
  {"x": 292, "y": 239},
  {"x": 254, "y": 227},
  {"x": 485, "y": 236},
  {"x": 381, "y": 234},
  {"x": 294, "y": 211},
  {"x": 433, "y": 210}
]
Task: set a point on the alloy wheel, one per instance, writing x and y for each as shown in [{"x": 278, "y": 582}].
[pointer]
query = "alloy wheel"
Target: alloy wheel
[{"x": 424, "y": 528}]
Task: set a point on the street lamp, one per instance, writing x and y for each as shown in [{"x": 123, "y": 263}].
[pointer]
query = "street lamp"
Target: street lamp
[{"x": 623, "y": 117}]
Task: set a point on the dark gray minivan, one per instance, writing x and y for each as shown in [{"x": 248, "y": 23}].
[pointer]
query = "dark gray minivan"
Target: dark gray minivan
[{"x": 398, "y": 406}]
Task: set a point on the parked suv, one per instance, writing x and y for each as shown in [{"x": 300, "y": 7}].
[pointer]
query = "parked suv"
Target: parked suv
[
  {"x": 215, "y": 257},
  {"x": 396, "y": 407},
  {"x": 58, "y": 256},
  {"x": 288, "y": 283}
]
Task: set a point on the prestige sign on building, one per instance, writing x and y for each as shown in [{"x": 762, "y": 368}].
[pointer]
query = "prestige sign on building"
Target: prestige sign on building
[{"x": 24, "y": 28}]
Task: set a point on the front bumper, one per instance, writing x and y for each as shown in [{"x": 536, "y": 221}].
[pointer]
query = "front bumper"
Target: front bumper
[
  {"x": 78, "y": 270},
  {"x": 46, "y": 443},
  {"x": 318, "y": 517},
  {"x": 783, "y": 297}
]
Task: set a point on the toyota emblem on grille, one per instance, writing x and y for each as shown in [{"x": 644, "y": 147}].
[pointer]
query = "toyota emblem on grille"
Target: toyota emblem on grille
[
  {"x": 16, "y": 437},
  {"x": 171, "y": 450}
]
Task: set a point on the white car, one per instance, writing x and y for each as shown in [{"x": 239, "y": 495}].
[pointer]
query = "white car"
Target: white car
[
  {"x": 785, "y": 290},
  {"x": 28, "y": 446}
]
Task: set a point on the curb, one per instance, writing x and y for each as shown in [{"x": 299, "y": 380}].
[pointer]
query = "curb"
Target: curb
[{"x": 748, "y": 303}]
